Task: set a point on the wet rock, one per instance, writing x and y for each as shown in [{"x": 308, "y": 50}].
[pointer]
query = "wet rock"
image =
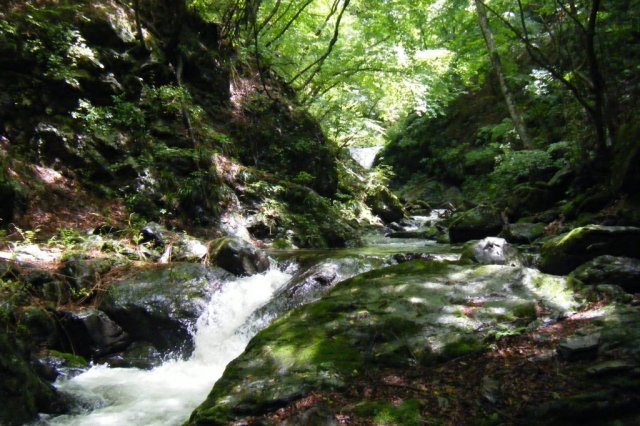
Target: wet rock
[
  {"x": 418, "y": 207},
  {"x": 523, "y": 233},
  {"x": 385, "y": 205},
  {"x": 161, "y": 305},
  {"x": 490, "y": 251},
  {"x": 621, "y": 271},
  {"x": 427, "y": 233},
  {"x": 84, "y": 273},
  {"x": 24, "y": 394},
  {"x": 475, "y": 224},
  {"x": 141, "y": 355},
  {"x": 54, "y": 364},
  {"x": 408, "y": 257},
  {"x": 189, "y": 249},
  {"x": 91, "y": 333},
  {"x": 413, "y": 313},
  {"x": 579, "y": 347},
  {"x": 153, "y": 233},
  {"x": 238, "y": 256},
  {"x": 39, "y": 327},
  {"x": 566, "y": 252},
  {"x": 395, "y": 226}
]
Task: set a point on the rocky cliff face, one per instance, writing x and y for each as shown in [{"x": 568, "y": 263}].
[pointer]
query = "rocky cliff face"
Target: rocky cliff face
[{"x": 136, "y": 113}]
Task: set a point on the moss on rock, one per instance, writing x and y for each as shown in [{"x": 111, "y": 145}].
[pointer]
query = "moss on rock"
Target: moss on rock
[
  {"x": 564, "y": 253},
  {"x": 415, "y": 312}
]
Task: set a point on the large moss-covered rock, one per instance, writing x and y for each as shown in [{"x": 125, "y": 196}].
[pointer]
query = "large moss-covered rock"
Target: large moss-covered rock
[
  {"x": 475, "y": 224},
  {"x": 622, "y": 271},
  {"x": 564, "y": 253},
  {"x": 161, "y": 305},
  {"x": 416, "y": 312},
  {"x": 523, "y": 233},
  {"x": 385, "y": 205},
  {"x": 238, "y": 256},
  {"x": 22, "y": 393}
]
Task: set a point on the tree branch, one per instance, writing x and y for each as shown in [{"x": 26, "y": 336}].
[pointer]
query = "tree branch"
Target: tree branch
[{"x": 318, "y": 62}]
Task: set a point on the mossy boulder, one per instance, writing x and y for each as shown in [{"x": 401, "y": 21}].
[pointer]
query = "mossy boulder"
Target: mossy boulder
[
  {"x": 425, "y": 233},
  {"x": 417, "y": 312},
  {"x": 22, "y": 393},
  {"x": 622, "y": 271},
  {"x": 475, "y": 224},
  {"x": 523, "y": 233},
  {"x": 161, "y": 305},
  {"x": 529, "y": 199},
  {"x": 566, "y": 252},
  {"x": 385, "y": 205},
  {"x": 238, "y": 256}
]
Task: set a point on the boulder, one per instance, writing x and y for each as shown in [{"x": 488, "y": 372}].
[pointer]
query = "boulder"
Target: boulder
[
  {"x": 141, "y": 355},
  {"x": 529, "y": 199},
  {"x": 91, "y": 333},
  {"x": 523, "y": 233},
  {"x": 188, "y": 249},
  {"x": 475, "y": 224},
  {"x": 238, "y": 256},
  {"x": 153, "y": 233},
  {"x": 385, "y": 205},
  {"x": 579, "y": 347},
  {"x": 428, "y": 233},
  {"x": 564, "y": 253},
  {"x": 22, "y": 392},
  {"x": 84, "y": 273},
  {"x": 161, "y": 305},
  {"x": 38, "y": 327},
  {"x": 490, "y": 251},
  {"x": 418, "y": 207},
  {"x": 420, "y": 312},
  {"x": 621, "y": 271}
]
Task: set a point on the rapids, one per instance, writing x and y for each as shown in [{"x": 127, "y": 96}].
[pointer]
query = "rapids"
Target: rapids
[{"x": 166, "y": 395}]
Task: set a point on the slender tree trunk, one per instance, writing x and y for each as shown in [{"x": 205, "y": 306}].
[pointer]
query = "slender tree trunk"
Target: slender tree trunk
[
  {"x": 492, "y": 49},
  {"x": 602, "y": 116}
]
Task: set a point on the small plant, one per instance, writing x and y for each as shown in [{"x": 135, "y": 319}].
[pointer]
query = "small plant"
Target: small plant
[
  {"x": 28, "y": 236},
  {"x": 303, "y": 178}
]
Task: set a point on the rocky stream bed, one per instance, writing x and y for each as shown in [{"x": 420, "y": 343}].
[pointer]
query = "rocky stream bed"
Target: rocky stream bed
[{"x": 399, "y": 331}]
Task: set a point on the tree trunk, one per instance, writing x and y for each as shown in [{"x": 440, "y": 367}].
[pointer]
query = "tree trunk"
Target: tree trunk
[
  {"x": 516, "y": 117},
  {"x": 602, "y": 116}
]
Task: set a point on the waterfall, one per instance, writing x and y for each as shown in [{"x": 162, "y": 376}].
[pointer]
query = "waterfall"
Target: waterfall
[
  {"x": 167, "y": 395},
  {"x": 365, "y": 156}
]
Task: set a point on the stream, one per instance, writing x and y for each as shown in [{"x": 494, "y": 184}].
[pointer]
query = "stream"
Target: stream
[{"x": 167, "y": 394}]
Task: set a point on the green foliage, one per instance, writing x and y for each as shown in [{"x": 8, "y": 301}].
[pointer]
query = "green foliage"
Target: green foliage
[
  {"x": 303, "y": 178},
  {"x": 516, "y": 166},
  {"x": 13, "y": 293},
  {"x": 384, "y": 413},
  {"x": 102, "y": 120}
]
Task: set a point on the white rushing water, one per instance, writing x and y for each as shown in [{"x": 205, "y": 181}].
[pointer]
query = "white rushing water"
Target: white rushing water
[
  {"x": 169, "y": 393},
  {"x": 365, "y": 156}
]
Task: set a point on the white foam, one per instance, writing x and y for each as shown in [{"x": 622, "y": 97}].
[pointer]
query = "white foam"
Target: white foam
[{"x": 169, "y": 393}]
